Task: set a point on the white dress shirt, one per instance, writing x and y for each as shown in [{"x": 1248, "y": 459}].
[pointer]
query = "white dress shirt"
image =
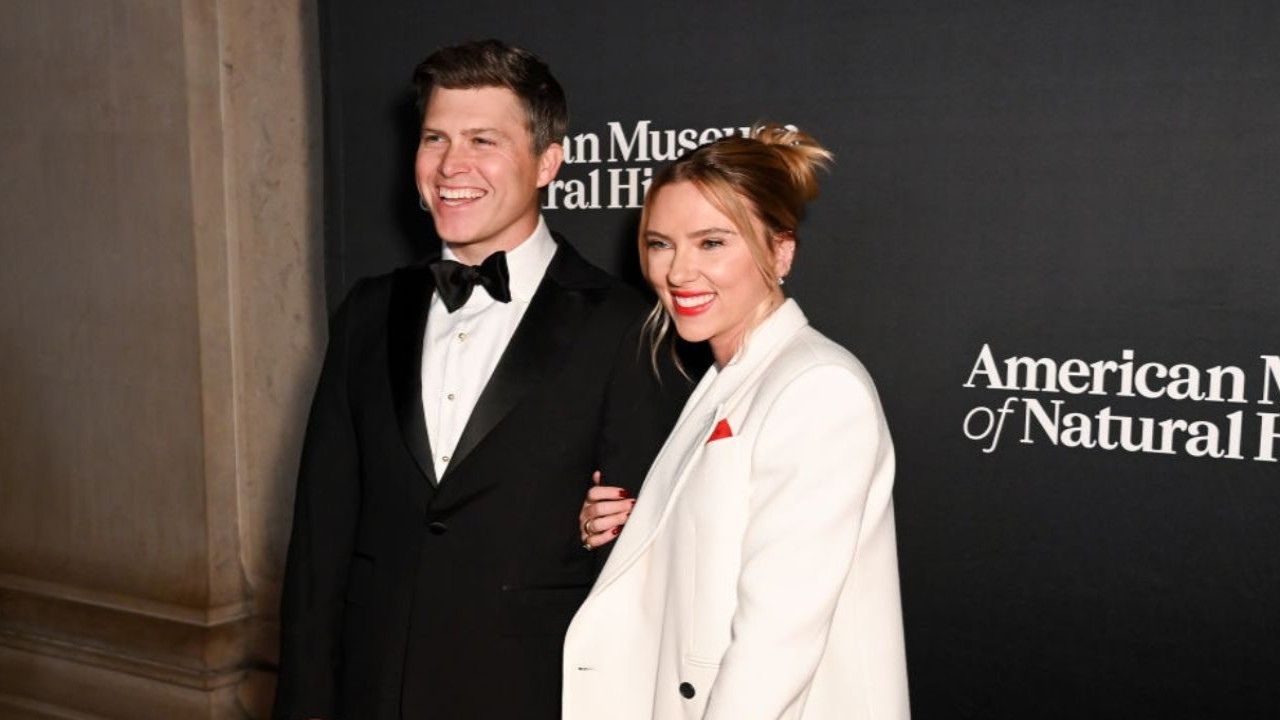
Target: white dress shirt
[{"x": 461, "y": 348}]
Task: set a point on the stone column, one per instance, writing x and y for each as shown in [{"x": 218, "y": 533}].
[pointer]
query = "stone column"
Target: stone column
[{"x": 161, "y": 322}]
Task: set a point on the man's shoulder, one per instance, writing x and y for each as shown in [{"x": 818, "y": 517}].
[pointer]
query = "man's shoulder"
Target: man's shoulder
[
  {"x": 377, "y": 297},
  {"x": 572, "y": 271}
]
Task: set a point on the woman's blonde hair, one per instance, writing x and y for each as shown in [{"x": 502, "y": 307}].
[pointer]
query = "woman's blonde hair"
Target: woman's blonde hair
[{"x": 767, "y": 177}]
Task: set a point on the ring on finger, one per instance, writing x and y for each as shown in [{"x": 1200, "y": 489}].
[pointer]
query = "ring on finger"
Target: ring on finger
[{"x": 586, "y": 527}]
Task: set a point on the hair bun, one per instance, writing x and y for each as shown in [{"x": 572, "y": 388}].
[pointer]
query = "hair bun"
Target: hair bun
[{"x": 802, "y": 155}]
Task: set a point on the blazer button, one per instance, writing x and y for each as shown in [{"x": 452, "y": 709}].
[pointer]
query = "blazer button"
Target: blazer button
[
  {"x": 438, "y": 528},
  {"x": 687, "y": 691}
]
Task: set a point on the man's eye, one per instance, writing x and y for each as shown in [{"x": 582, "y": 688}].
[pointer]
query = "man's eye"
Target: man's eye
[
  {"x": 431, "y": 138},
  {"x": 483, "y": 141}
]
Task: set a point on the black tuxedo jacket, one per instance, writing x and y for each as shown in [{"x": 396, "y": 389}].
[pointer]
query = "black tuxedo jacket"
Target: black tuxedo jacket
[{"x": 408, "y": 596}]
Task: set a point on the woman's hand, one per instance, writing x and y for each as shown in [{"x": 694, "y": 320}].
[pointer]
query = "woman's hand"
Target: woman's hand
[{"x": 603, "y": 514}]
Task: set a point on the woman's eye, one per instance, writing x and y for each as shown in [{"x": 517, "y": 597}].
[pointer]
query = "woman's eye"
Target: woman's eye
[
  {"x": 656, "y": 244},
  {"x": 710, "y": 243}
]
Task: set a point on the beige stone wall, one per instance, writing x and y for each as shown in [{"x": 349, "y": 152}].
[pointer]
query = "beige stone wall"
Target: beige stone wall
[
  {"x": 272, "y": 81},
  {"x": 161, "y": 319}
]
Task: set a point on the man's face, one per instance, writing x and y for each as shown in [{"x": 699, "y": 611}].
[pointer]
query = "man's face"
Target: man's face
[{"x": 477, "y": 171}]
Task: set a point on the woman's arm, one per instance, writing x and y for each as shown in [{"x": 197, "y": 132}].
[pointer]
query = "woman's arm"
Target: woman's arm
[{"x": 819, "y": 447}]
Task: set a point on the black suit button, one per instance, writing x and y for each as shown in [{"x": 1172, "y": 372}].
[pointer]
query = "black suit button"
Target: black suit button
[
  {"x": 438, "y": 528},
  {"x": 687, "y": 691}
]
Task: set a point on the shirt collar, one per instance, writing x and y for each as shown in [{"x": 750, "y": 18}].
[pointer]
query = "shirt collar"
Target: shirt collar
[
  {"x": 761, "y": 340},
  {"x": 718, "y": 385},
  {"x": 526, "y": 262}
]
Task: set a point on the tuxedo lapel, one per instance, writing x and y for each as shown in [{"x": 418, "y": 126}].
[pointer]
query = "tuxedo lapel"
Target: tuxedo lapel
[
  {"x": 406, "y": 329},
  {"x": 545, "y": 334},
  {"x": 546, "y": 330}
]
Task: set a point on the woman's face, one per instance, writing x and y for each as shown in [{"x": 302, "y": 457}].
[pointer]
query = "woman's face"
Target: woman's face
[{"x": 703, "y": 271}]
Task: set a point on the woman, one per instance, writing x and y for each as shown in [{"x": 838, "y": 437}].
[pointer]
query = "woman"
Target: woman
[{"x": 757, "y": 576}]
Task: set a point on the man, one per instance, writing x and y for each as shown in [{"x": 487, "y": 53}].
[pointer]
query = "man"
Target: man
[{"x": 435, "y": 558}]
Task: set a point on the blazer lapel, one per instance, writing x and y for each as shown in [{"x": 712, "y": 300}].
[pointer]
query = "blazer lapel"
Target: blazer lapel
[
  {"x": 661, "y": 490},
  {"x": 545, "y": 334},
  {"x": 406, "y": 328},
  {"x": 716, "y": 398}
]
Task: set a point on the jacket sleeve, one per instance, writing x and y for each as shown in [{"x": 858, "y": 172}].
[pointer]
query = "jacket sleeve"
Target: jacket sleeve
[
  {"x": 640, "y": 406},
  {"x": 325, "y": 513},
  {"x": 819, "y": 446}
]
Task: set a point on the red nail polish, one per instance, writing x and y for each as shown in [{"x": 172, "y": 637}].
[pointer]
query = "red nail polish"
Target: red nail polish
[
  {"x": 622, "y": 493},
  {"x": 616, "y": 530}
]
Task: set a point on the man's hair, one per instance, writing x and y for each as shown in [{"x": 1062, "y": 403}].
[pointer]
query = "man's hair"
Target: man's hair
[{"x": 493, "y": 63}]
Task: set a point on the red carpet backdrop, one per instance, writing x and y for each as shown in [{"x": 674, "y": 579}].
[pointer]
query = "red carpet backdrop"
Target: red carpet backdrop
[{"x": 1051, "y": 234}]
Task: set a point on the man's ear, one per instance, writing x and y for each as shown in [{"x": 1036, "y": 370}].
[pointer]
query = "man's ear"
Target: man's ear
[
  {"x": 549, "y": 163},
  {"x": 784, "y": 251}
]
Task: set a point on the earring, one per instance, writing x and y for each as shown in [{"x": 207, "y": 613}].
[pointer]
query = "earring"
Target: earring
[
  {"x": 422, "y": 204},
  {"x": 782, "y": 281}
]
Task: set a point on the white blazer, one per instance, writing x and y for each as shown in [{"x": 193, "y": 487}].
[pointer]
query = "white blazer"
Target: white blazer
[{"x": 757, "y": 577}]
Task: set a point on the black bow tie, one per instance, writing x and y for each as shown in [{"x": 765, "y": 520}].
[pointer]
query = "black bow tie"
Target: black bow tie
[{"x": 455, "y": 281}]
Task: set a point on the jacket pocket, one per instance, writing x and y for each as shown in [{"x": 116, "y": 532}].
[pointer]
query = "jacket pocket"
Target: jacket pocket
[{"x": 720, "y": 465}]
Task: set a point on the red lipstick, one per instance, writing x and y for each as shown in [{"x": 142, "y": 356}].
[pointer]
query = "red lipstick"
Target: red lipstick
[{"x": 693, "y": 310}]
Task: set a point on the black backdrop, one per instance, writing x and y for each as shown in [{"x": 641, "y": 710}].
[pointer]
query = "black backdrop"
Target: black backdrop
[{"x": 1055, "y": 179}]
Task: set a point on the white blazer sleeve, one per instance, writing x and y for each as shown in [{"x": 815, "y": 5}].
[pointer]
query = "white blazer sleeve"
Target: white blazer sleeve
[{"x": 818, "y": 448}]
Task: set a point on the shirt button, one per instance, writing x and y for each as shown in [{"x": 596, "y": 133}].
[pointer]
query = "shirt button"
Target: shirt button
[
  {"x": 687, "y": 691},
  {"x": 462, "y": 336},
  {"x": 449, "y": 396},
  {"x": 444, "y": 458}
]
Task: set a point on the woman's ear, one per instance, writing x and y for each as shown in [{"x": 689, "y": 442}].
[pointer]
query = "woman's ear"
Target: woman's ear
[{"x": 784, "y": 251}]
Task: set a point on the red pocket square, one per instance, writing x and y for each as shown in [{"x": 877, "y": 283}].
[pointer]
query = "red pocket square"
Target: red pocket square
[{"x": 722, "y": 431}]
